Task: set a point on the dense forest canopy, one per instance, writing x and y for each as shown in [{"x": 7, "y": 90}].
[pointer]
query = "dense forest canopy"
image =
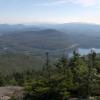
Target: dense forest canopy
[{"x": 78, "y": 76}]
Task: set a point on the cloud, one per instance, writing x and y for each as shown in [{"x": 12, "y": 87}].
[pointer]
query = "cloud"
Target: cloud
[{"x": 84, "y": 3}]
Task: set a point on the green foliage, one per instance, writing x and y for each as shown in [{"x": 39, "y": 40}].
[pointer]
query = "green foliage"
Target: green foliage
[
  {"x": 2, "y": 81},
  {"x": 44, "y": 90},
  {"x": 77, "y": 77},
  {"x": 15, "y": 62},
  {"x": 13, "y": 98}
]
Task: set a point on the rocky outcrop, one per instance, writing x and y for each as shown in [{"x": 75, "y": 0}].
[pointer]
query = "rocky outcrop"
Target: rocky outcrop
[{"x": 11, "y": 91}]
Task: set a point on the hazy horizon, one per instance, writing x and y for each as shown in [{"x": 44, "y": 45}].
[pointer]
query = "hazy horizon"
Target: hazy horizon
[{"x": 47, "y": 23}]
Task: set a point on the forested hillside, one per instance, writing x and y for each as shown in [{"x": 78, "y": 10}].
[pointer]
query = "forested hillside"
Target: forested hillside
[
  {"x": 10, "y": 62},
  {"x": 26, "y": 38},
  {"x": 30, "y": 41},
  {"x": 77, "y": 77},
  {"x": 37, "y": 60}
]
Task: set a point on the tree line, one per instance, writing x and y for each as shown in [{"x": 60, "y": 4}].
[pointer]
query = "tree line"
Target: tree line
[{"x": 78, "y": 77}]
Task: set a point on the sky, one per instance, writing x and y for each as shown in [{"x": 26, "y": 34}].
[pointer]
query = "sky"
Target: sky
[{"x": 49, "y": 11}]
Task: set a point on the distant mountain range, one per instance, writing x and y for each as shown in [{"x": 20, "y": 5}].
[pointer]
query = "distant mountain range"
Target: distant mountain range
[
  {"x": 27, "y": 38},
  {"x": 74, "y": 28}
]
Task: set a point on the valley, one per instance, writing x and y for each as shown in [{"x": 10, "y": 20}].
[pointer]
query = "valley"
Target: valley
[{"x": 53, "y": 61}]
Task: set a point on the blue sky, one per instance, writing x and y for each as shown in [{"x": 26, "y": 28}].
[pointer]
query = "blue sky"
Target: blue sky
[{"x": 49, "y": 11}]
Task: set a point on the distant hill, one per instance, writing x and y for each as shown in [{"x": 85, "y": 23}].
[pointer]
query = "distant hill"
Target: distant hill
[
  {"x": 9, "y": 29},
  {"x": 87, "y": 35},
  {"x": 48, "y": 36},
  {"x": 76, "y": 28},
  {"x": 48, "y": 39}
]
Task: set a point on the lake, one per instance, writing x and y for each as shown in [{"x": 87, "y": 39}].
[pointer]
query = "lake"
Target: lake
[{"x": 84, "y": 51}]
